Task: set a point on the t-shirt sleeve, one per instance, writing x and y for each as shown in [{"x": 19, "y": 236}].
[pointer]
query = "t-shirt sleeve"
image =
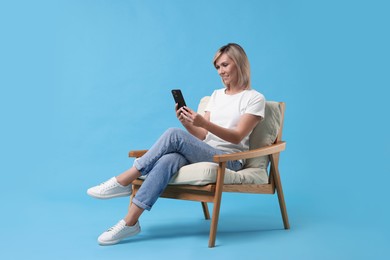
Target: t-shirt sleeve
[{"x": 256, "y": 105}]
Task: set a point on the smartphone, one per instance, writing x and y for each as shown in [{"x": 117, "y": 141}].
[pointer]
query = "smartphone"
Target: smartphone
[{"x": 178, "y": 97}]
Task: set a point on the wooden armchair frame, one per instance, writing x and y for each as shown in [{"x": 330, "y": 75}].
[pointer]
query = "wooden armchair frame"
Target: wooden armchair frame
[{"x": 213, "y": 192}]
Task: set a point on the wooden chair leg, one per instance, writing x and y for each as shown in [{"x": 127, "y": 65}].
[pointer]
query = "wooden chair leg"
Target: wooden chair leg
[
  {"x": 205, "y": 210},
  {"x": 279, "y": 190},
  {"x": 217, "y": 204}
]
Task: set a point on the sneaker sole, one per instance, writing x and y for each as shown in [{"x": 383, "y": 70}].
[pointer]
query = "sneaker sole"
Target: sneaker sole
[
  {"x": 103, "y": 197},
  {"x": 113, "y": 242}
]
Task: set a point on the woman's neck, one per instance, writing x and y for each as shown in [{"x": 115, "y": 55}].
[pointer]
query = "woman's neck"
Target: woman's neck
[{"x": 230, "y": 90}]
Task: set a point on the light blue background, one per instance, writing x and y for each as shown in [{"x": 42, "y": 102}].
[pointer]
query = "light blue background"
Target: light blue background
[{"x": 83, "y": 82}]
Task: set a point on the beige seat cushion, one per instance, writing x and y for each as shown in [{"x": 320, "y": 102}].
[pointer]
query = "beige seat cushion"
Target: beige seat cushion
[
  {"x": 206, "y": 172},
  {"x": 254, "y": 171}
]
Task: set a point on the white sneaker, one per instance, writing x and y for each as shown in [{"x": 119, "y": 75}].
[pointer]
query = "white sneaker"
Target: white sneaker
[
  {"x": 118, "y": 232},
  {"x": 109, "y": 189}
]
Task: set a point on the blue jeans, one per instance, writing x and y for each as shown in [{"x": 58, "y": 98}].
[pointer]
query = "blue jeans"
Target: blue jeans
[{"x": 174, "y": 149}]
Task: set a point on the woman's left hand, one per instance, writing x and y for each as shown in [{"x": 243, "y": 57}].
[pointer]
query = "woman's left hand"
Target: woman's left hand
[{"x": 192, "y": 117}]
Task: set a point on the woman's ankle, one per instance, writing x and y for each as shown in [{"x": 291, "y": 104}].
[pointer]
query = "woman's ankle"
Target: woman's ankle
[
  {"x": 130, "y": 222},
  {"x": 128, "y": 176},
  {"x": 122, "y": 181}
]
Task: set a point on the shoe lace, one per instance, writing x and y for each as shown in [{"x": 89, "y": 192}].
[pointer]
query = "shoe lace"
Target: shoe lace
[
  {"x": 107, "y": 185},
  {"x": 116, "y": 228}
]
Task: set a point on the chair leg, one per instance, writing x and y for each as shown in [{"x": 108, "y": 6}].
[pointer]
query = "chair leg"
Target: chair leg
[
  {"x": 279, "y": 189},
  {"x": 217, "y": 204},
  {"x": 205, "y": 210},
  {"x": 214, "y": 221}
]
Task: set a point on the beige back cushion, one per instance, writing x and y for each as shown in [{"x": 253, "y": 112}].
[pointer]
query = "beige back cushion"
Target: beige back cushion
[{"x": 264, "y": 134}]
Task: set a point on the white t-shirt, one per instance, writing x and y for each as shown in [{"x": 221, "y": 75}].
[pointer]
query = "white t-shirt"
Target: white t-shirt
[{"x": 226, "y": 110}]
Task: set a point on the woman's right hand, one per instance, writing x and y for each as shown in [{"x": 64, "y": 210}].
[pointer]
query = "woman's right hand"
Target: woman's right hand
[
  {"x": 180, "y": 116},
  {"x": 188, "y": 121}
]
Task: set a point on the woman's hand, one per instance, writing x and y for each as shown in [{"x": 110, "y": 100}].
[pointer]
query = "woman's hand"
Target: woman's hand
[
  {"x": 180, "y": 116},
  {"x": 192, "y": 121},
  {"x": 191, "y": 117}
]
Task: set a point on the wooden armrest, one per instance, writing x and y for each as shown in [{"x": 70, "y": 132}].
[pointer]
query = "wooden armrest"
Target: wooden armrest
[
  {"x": 268, "y": 150},
  {"x": 137, "y": 153}
]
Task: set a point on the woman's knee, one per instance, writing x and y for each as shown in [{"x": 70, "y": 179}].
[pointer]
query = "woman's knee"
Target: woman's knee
[
  {"x": 172, "y": 157},
  {"x": 174, "y": 132},
  {"x": 170, "y": 163}
]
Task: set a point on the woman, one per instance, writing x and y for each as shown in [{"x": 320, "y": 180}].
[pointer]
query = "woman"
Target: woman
[{"x": 230, "y": 117}]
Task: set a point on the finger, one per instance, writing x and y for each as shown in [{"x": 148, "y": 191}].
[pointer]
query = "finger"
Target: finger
[
  {"x": 178, "y": 114},
  {"x": 189, "y": 118},
  {"x": 187, "y": 110},
  {"x": 183, "y": 114},
  {"x": 183, "y": 111}
]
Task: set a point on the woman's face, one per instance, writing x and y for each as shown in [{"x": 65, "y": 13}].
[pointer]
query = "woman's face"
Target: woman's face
[{"x": 227, "y": 69}]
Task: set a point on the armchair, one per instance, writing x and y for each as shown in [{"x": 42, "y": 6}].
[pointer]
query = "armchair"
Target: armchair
[{"x": 205, "y": 182}]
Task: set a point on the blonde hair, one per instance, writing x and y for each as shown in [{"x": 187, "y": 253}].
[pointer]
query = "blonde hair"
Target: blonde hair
[{"x": 238, "y": 55}]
